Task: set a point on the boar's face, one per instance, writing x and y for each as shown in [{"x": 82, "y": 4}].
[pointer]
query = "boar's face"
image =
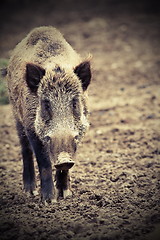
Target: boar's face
[{"x": 61, "y": 115}]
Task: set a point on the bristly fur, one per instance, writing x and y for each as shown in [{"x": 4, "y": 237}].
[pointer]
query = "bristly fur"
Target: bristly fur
[{"x": 65, "y": 81}]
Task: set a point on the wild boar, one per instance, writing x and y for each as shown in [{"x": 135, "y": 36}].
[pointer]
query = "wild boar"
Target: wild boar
[{"x": 47, "y": 82}]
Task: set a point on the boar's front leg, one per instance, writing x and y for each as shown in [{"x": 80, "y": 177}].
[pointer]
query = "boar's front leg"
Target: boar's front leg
[
  {"x": 45, "y": 168},
  {"x": 28, "y": 164},
  {"x": 63, "y": 183}
]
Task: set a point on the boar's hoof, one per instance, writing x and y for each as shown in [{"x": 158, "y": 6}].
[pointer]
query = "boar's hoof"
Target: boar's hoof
[
  {"x": 64, "y": 161},
  {"x": 35, "y": 193},
  {"x": 29, "y": 188},
  {"x": 67, "y": 193}
]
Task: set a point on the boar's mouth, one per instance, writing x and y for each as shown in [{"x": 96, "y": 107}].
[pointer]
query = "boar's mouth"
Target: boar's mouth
[{"x": 64, "y": 161}]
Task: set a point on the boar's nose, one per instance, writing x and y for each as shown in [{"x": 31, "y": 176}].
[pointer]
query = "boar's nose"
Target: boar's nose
[
  {"x": 63, "y": 147},
  {"x": 64, "y": 161}
]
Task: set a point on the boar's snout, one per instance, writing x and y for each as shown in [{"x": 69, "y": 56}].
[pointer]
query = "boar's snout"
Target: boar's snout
[
  {"x": 63, "y": 148},
  {"x": 64, "y": 161}
]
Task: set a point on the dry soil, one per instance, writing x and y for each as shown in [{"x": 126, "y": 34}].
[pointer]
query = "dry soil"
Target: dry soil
[{"x": 115, "y": 181}]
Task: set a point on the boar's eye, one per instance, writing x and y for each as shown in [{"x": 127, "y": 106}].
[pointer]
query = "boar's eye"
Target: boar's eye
[
  {"x": 76, "y": 107},
  {"x": 46, "y": 111}
]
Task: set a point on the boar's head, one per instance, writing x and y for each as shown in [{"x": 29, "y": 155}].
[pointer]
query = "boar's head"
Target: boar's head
[{"x": 61, "y": 115}]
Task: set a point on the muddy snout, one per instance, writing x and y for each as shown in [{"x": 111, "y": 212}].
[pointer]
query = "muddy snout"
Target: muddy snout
[{"x": 64, "y": 161}]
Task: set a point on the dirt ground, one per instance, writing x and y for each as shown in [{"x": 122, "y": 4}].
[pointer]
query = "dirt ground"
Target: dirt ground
[{"x": 115, "y": 182}]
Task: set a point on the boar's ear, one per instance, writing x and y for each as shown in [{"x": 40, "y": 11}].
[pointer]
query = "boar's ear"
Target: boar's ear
[
  {"x": 34, "y": 74},
  {"x": 83, "y": 71}
]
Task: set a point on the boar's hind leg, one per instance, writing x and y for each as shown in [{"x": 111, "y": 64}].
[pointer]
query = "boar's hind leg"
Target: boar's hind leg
[
  {"x": 45, "y": 168},
  {"x": 63, "y": 183},
  {"x": 28, "y": 165}
]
